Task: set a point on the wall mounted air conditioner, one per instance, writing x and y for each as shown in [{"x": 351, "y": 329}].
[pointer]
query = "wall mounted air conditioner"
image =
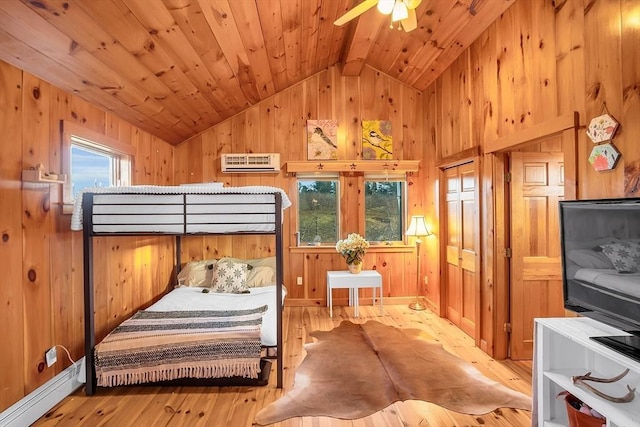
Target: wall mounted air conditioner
[{"x": 250, "y": 162}]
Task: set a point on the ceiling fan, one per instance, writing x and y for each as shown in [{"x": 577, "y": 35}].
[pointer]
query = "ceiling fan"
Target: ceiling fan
[{"x": 403, "y": 11}]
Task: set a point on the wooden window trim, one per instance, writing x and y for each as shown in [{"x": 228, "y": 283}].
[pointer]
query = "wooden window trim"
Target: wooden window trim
[{"x": 106, "y": 143}]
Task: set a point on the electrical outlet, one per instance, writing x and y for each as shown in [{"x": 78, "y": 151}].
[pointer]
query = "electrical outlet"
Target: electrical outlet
[
  {"x": 426, "y": 280},
  {"x": 51, "y": 356},
  {"x": 299, "y": 280}
]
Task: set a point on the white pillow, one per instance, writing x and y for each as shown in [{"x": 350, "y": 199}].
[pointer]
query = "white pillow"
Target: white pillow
[
  {"x": 230, "y": 277},
  {"x": 586, "y": 258},
  {"x": 197, "y": 273},
  {"x": 625, "y": 256},
  {"x": 261, "y": 276}
]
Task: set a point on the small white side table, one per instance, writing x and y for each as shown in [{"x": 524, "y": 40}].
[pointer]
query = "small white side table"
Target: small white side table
[{"x": 353, "y": 282}]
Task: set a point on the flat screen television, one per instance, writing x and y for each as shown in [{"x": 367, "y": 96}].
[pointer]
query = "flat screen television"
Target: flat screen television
[{"x": 601, "y": 266}]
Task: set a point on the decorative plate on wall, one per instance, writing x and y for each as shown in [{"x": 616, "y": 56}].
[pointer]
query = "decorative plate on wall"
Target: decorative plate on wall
[
  {"x": 602, "y": 128},
  {"x": 604, "y": 157}
]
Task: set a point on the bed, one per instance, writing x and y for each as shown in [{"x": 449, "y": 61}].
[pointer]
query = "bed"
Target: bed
[
  {"x": 603, "y": 270},
  {"x": 179, "y": 211}
]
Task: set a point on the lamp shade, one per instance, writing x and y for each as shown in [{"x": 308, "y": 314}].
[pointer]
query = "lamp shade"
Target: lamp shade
[
  {"x": 400, "y": 12},
  {"x": 417, "y": 227}
]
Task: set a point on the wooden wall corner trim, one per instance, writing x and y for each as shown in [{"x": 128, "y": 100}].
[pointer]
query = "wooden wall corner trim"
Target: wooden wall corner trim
[{"x": 534, "y": 133}]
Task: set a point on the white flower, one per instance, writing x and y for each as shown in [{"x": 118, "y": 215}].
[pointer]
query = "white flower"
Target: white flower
[{"x": 353, "y": 248}]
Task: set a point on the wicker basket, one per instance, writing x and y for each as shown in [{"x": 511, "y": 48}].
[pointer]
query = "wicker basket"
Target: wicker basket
[{"x": 580, "y": 419}]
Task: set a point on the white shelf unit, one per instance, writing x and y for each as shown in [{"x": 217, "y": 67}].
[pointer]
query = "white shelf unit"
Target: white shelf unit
[
  {"x": 37, "y": 175},
  {"x": 563, "y": 349}
]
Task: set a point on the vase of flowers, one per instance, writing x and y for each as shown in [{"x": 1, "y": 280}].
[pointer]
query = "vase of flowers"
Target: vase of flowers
[{"x": 353, "y": 249}]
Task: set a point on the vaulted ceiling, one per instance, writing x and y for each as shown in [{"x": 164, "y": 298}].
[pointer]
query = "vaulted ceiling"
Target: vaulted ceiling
[{"x": 177, "y": 67}]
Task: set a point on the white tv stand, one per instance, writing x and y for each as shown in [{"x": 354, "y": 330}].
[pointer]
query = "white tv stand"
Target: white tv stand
[{"x": 563, "y": 349}]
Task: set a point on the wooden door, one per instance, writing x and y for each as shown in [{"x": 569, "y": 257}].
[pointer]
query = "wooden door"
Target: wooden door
[
  {"x": 537, "y": 184},
  {"x": 461, "y": 237}
]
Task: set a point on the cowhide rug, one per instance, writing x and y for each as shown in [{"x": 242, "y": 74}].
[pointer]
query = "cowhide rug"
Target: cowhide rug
[{"x": 356, "y": 370}]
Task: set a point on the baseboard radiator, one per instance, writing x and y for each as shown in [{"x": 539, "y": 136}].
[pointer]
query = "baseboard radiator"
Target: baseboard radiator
[{"x": 37, "y": 403}]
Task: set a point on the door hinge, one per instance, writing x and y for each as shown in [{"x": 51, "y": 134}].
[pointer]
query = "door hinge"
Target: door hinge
[
  {"x": 507, "y": 327},
  {"x": 507, "y": 177},
  {"x": 507, "y": 252}
]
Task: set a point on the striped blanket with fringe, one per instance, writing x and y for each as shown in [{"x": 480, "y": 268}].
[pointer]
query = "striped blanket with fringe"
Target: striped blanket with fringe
[{"x": 166, "y": 345}]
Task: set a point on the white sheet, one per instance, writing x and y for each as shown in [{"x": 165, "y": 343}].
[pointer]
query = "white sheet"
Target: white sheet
[
  {"x": 172, "y": 222},
  {"x": 192, "y": 298},
  {"x": 627, "y": 283}
]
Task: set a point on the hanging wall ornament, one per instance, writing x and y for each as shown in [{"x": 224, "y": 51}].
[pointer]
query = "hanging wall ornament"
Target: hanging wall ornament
[
  {"x": 603, "y": 127},
  {"x": 604, "y": 157}
]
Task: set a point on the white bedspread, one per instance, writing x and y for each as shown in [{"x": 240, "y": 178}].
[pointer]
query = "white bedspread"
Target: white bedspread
[
  {"x": 192, "y": 298},
  {"x": 204, "y": 189},
  {"x": 627, "y": 283}
]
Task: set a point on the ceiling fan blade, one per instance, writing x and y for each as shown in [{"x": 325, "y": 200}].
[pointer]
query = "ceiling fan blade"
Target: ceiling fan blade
[
  {"x": 355, "y": 12},
  {"x": 410, "y": 23}
]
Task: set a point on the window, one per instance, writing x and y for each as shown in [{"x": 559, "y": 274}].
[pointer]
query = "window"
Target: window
[
  {"x": 384, "y": 215},
  {"x": 318, "y": 207},
  {"x": 383, "y": 198},
  {"x": 93, "y": 160},
  {"x": 91, "y": 167}
]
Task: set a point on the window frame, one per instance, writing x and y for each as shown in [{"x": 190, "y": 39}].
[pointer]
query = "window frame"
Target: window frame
[
  {"x": 373, "y": 177},
  {"x": 123, "y": 155},
  {"x": 319, "y": 177},
  {"x": 343, "y": 186}
]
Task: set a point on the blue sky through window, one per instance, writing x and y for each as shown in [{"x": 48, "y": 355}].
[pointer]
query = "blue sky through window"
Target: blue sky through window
[{"x": 89, "y": 169}]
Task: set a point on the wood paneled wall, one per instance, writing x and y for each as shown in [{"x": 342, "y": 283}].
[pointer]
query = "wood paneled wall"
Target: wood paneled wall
[
  {"x": 42, "y": 287},
  {"x": 539, "y": 61},
  {"x": 279, "y": 125}
]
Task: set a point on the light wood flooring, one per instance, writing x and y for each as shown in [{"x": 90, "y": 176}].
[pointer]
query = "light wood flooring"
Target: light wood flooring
[{"x": 237, "y": 406}]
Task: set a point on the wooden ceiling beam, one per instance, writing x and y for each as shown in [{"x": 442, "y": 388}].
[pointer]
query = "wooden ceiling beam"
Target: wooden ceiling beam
[
  {"x": 360, "y": 42},
  {"x": 186, "y": 65}
]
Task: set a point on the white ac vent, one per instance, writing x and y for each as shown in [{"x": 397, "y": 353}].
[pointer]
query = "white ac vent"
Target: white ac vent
[{"x": 250, "y": 162}]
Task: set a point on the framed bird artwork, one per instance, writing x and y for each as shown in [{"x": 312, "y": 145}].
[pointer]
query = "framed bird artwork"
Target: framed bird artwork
[
  {"x": 377, "y": 141},
  {"x": 322, "y": 140}
]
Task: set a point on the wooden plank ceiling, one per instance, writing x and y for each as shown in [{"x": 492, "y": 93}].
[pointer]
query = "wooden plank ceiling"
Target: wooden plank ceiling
[{"x": 177, "y": 67}]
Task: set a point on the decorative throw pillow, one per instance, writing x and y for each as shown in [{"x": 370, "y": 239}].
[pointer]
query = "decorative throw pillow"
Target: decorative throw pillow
[
  {"x": 230, "y": 277},
  {"x": 625, "y": 256},
  {"x": 196, "y": 273},
  {"x": 262, "y": 271}
]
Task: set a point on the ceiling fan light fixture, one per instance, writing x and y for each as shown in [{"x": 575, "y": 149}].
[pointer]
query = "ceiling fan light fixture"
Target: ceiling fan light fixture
[
  {"x": 400, "y": 11},
  {"x": 412, "y": 4},
  {"x": 386, "y": 6}
]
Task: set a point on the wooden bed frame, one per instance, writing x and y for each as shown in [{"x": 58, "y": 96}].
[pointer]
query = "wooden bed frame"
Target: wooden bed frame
[{"x": 182, "y": 220}]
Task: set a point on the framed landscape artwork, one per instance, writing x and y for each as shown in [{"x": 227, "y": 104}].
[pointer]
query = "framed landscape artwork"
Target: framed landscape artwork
[
  {"x": 322, "y": 140},
  {"x": 377, "y": 141}
]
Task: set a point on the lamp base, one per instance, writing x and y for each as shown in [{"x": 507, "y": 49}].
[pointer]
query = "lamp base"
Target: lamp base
[{"x": 417, "y": 305}]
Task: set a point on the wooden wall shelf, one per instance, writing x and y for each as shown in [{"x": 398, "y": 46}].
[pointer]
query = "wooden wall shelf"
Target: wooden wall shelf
[
  {"x": 37, "y": 175},
  {"x": 353, "y": 166}
]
